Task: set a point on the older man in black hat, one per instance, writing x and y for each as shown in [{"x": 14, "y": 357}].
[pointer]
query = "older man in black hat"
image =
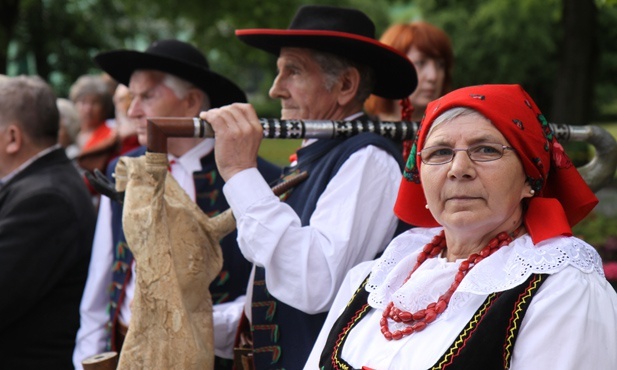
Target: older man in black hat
[
  {"x": 328, "y": 64},
  {"x": 170, "y": 79}
]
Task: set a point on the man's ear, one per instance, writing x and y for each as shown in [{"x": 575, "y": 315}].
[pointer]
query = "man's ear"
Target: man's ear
[
  {"x": 196, "y": 101},
  {"x": 350, "y": 82},
  {"x": 12, "y": 139}
]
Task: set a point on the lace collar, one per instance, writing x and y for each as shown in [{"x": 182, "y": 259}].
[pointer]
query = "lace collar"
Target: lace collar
[{"x": 507, "y": 268}]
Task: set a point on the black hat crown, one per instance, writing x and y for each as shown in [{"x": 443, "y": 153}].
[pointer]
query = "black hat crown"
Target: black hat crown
[
  {"x": 347, "y": 33},
  {"x": 177, "y": 58},
  {"x": 329, "y": 18},
  {"x": 178, "y": 50}
]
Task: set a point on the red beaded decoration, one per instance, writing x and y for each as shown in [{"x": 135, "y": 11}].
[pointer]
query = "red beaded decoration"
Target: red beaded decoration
[{"x": 419, "y": 320}]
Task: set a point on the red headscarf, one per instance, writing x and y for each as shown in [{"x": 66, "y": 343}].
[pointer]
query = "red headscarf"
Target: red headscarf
[{"x": 562, "y": 198}]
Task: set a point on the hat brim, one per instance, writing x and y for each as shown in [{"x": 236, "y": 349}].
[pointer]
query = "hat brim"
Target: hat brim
[
  {"x": 120, "y": 65},
  {"x": 394, "y": 74}
]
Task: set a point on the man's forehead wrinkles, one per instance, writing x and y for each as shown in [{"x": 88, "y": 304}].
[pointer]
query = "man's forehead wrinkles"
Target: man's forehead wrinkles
[{"x": 144, "y": 89}]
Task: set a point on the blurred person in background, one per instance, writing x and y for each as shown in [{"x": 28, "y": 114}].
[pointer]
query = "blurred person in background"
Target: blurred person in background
[
  {"x": 98, "y": 142},
  {"x": 69, "y": 127},
  {"x": 126, "y": 127},
  {"x": 46, "y": 230},
  {"x": 430, "y": 50}
]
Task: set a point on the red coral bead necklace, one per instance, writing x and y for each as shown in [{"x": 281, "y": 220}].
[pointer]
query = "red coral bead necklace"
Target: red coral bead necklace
[{"x": 417, "y": 321}]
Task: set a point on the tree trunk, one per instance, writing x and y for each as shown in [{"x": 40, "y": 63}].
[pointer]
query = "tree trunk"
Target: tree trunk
[
  {"x": 572, "y": 100},
  {"x": 9, "y": 11},
  {"x": 39, "y": 36}
]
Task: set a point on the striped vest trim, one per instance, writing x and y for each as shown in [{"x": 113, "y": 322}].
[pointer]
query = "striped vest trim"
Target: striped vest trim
[{"x": 486, "y": 342}]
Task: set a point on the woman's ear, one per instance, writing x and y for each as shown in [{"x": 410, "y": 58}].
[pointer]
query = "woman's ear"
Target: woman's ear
[{"x": 528, "y": 191}]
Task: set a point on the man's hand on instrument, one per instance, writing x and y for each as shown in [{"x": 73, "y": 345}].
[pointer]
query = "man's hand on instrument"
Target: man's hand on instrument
[{"x": 238, "y": 134}]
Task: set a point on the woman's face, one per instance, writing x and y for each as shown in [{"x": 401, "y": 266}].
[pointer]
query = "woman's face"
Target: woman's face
[
  {"x": 90, "y": 109},
  {"x": 431, "y": 74},
  {"x": 474, "y": 197}
]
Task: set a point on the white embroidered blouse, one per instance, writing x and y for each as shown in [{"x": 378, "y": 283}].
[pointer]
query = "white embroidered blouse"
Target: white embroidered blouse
[{"x": 570, "y": 324}]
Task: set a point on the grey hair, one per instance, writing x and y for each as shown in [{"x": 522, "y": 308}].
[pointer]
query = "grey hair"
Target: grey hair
[
  {"x": 181, "y": 87},
  {"x": 333, "y": 66},
  {"x": 31, "y": 102},
  {"x": 69, "y": 117},
  {"x": 93, "y": 85},
  {"x": 453, "y": 113}
]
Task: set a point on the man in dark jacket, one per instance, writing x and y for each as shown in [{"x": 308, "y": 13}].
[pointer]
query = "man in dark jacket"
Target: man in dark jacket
[{"x": 46, "y": 228}]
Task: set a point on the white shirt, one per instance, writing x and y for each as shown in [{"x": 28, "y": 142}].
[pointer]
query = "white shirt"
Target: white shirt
[
  {"x": 570, "y": 324},
  {"x": 92, "y": 336},
  {"x": 352, "y": 222}
]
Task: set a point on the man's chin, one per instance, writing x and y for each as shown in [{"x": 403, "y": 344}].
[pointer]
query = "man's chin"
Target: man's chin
[
  {"x": 290, "y": 114},
  {"x": 142, "y": 139}
]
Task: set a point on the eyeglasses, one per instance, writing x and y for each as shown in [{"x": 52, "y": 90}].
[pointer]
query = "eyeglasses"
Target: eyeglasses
[{"x": 485, "y": 152}]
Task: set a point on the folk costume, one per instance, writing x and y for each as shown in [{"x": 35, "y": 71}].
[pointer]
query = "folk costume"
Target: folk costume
[
  {"x": 341, "y": 215},
  {"x": 46, "y": 228},
  {"x": 540, "y": 301},
  {"x": 105, "y": 308}
]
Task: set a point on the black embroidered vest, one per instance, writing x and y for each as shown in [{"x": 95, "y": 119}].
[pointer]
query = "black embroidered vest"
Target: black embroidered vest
[
  {"x": 282, "y": 335},
  {"x": 486, "y": 342}
]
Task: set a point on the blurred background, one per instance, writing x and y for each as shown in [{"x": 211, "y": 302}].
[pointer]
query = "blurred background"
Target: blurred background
[{"x": 563, "y": 52}]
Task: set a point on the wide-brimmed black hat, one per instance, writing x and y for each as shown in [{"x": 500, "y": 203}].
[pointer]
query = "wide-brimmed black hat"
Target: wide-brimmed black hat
[
  {"x": 177, "y": 58},
  {"x": 345, "y": 32}
]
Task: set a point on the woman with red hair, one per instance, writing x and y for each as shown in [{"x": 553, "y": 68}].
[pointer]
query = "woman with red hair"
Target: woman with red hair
[{"x": 430, "y": 50}]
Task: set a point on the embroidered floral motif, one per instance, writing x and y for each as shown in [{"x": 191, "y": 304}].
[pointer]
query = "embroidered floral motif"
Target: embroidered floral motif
[
  {"x": 211, "y": 176},
  {"x": 120, "y": 250},
  {"x": 518, "y": 124},
  {"x": 538, "y": 162},
  {"x": 560, "y": 159},
  {"x": 412, "y": 175},
  {"x": 546, "y": 128},
  {"x": 536, "y": 184},
  {"x": 411, "y": 170},
  {"x": 276, "y": 352},
  {"x": 273, "y": 329}
]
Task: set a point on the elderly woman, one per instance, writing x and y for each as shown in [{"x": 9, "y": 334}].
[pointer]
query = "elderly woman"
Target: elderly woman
[
  {"x": 492, "y": 278},
  {"x": 97, "y": 141}
]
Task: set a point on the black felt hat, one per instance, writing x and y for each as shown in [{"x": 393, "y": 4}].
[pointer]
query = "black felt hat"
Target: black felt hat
[
  {"x": 177, "y": 58},
  {"x": 345, "y": 32}
]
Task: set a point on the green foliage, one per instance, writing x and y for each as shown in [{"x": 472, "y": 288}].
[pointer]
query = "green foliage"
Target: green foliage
[
  {"x": 500, "y": 41},
  {"x": 278, "y": 151},
  {"x": 518, "y": 41},
  {"x": 597, "y": 229},
  {"x": 606, "y": 89}
]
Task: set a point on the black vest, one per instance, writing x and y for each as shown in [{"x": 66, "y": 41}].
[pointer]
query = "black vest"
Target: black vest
[
  {"x": 282, "y": 335},
  {"x": 486, "y": 342}
]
